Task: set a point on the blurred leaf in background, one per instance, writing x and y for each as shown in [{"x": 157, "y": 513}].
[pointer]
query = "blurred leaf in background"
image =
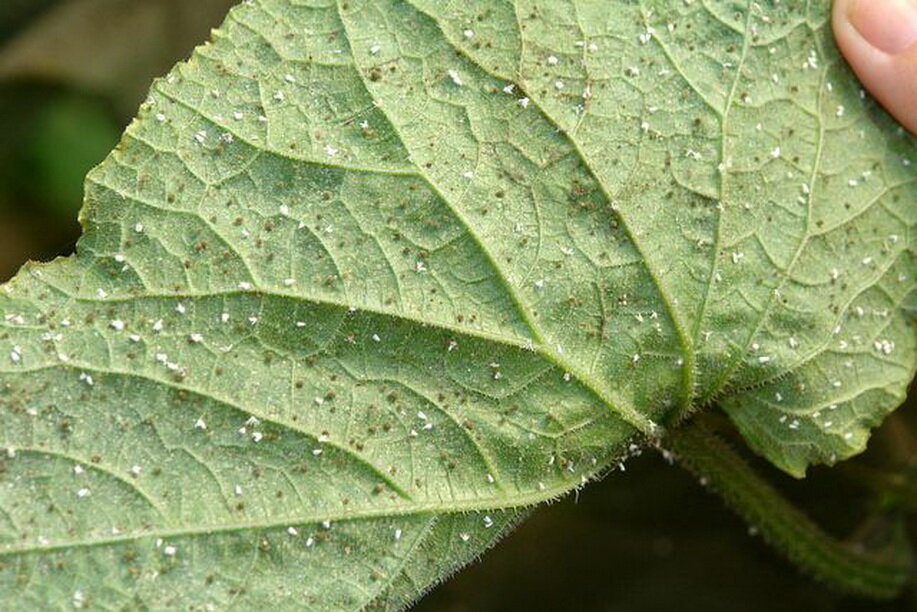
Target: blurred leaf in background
[
  {"x": 49, "y": 137},
  {"x": 113, "y": 48},
  {"x": 15, "y": 13},
  {"x": 72, "y": 73}
]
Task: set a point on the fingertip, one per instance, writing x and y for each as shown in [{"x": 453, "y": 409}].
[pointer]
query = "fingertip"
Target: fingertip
[{"x": 878, "y": 38}]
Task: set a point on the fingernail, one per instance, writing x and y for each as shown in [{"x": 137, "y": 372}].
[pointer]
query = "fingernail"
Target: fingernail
[{"x": 888, "y": 25}]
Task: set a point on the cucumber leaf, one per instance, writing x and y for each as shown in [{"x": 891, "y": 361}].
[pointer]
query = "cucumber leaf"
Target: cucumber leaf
[{"x": 367, "y": 280}]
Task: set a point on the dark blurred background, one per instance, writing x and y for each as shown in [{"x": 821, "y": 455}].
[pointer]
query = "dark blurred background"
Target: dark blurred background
[{"x": 72, "y": 73}]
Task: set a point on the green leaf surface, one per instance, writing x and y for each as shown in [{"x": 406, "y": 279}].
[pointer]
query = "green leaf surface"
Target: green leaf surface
[{"x": 367, "y": 279}]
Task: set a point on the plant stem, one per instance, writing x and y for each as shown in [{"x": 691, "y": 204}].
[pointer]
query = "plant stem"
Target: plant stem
[{"x": 786, "y": 528}]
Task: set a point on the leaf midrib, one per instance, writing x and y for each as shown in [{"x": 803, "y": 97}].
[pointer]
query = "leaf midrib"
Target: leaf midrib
[
  {"x": 728, "y": 373},
  {"x": 620, "y": 408},
  {"x": 624, "y": 411},
  {"x": 586, "y": 381},
  {"x": 675, "y": 316},
  {"x": 507, "y": 502}
]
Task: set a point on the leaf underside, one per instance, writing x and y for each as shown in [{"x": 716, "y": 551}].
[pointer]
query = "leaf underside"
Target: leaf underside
[{"x": 367, "y": 279}]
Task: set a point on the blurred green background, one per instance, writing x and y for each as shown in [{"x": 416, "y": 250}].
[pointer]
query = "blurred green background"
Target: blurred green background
[{"x": 72, "y": 73}]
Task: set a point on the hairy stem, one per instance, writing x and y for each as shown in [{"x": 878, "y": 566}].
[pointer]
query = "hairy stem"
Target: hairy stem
[{"x": 843, "y": 565}]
